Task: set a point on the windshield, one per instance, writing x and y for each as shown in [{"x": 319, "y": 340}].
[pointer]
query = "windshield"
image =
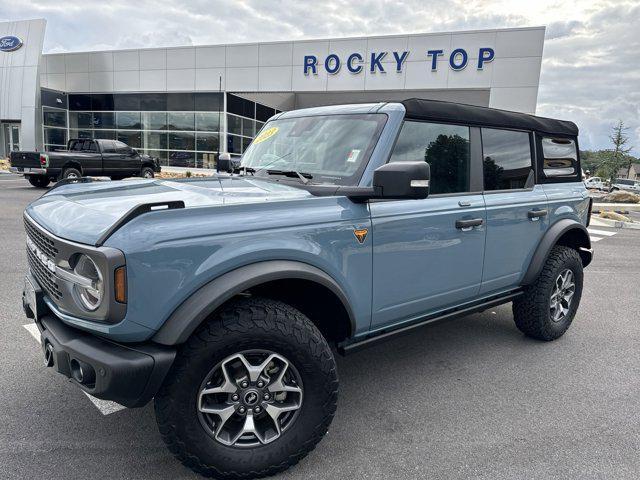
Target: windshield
[{"x": 326, "y": 149}]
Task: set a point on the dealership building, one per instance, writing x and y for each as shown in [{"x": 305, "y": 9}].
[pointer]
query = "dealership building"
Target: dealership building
[{"x": 186, "y": 104}]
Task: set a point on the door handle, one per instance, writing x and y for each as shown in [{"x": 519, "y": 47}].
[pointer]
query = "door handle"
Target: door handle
[
  {"x": 536, "y": 214},
  {"x": 466, "y": 225}
]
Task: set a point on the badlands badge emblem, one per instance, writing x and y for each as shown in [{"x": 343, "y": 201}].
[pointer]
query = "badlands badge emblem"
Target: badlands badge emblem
[{"x": 361, "y": 234}]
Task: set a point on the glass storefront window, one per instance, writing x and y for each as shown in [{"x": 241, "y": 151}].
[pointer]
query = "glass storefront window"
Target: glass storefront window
[
  {"x": 55, "y": 136},
  {"x": 128, "y": 120},
  {"x": 104, "y": 134},
  {"x": 104, "y": 120},
  {"x": 207, "y": 122},
  {"x": 80, "y": 134},
  {"x": 234, "y": 124},
  {"x": 182, "y": 141},
  {"x": 206, "y": 160},
  {"x": 182, "y": 159},
  {"x": 131, "y": 138},
  {"x": 154, "y": 140},
  {"x": 207, "y": 141},
  {"x": 154, "y": 121},
  {"x": 245, "y": 143},
  {"x": 80, "y": 120},
  {"x": 181, "y": 121},
  {"x": 54, "y": 118},
  {"x": 234, "y": 144},
  {"x": 248, "y": 127}
]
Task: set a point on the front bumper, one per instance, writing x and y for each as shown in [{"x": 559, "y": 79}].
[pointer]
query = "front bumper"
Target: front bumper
[{"x": 127, "y": 374}]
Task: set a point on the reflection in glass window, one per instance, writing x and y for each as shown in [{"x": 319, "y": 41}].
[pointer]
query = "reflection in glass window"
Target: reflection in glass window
[
  {"x": 182, "y": 141},
  {"x": 128, "y": 120},
  {"x": 234, "y": 124},
  {"x": 55, "y": 136},
  {"x": 54, "y": 118},
  {"x": 181, "y": 121},
  {"x": 80, "y": 133},
  {"x": 104, "y": 134},
  {"x": 154, "y": 121},
  {"x": 444, "y": 147},
  {"x": 507, "y": 159},
  {"x": 182, "y": 159},
  {"x": 234, "y": 144},
  {"x": 80, "y": 120},
  {"x": 207, "y": 141},
  {"x": 154, "y": 140},
  {"x": 248, "y": 127},
  {"x": 131, "y": 138},
  {"x": 104, "y": 120},
  {"x": 560, "y": 157},
  {"x": 207, "y": 122}
]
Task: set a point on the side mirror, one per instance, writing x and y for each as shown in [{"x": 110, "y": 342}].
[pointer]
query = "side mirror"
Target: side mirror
[
  {"x": 226, "y": 163},
  {"x": 402, "y": 180}
]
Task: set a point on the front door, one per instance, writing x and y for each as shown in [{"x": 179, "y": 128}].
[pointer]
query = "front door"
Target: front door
[
  {"x": 517, "y": 209},
  {"x": 11, "y": 138},
  {"x": 428, "y": 254}
]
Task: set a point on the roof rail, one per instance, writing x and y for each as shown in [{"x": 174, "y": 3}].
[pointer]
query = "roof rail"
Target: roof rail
[{"x": 135, "y": 212}]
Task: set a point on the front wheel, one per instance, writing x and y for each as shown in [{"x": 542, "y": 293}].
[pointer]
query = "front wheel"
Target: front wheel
[
  {"x": 547, "y": 307},
  {"x": 251, "y": 392},
  {"x": 147, "y": 172},
  {"x": 38, "y": 181}
]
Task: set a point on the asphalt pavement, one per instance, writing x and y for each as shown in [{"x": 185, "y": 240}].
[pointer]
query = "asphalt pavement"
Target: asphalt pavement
[{"x": 472, "y": 398}]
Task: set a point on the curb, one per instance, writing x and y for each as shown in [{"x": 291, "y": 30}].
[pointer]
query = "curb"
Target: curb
[{"x": 619, "y": 224}]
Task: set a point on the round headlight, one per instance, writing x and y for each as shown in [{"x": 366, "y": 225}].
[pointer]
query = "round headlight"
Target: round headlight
[{"x": 90, "y": 296}]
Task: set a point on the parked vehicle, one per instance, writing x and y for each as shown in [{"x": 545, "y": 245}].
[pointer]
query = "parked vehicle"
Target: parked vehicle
[
  {"x": 220, "y": 298},
  {"x": 625, "y": 184},
  {"x": 108, "y": 158},
  {"x": 595, "y": 183}
]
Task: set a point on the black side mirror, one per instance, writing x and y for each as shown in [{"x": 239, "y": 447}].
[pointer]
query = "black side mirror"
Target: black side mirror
[
  {"x": 402, "y": 180},
  {"x": 226, "y": 163}
]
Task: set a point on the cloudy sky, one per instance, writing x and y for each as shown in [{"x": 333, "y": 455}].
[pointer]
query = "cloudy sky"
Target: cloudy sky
[{"x": 591, "y": 61}]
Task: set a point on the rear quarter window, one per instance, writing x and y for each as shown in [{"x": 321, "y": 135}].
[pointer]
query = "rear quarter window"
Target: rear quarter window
[{"x": 560, "y": 160}]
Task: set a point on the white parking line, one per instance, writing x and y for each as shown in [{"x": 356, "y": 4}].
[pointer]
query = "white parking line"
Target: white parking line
[
  {"x": 605, "y": 233},
  {"x": 595, "y": 239},
  {"x": 106, "y": 407}
]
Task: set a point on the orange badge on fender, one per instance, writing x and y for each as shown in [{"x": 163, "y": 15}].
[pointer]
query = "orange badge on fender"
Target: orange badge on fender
[{"x": 361, "y": 234}]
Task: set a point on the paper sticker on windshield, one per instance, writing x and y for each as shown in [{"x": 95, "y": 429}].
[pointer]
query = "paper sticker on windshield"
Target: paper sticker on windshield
[
  {"x": 268, "y": 133},
  {"x": 353, "y": 155}
]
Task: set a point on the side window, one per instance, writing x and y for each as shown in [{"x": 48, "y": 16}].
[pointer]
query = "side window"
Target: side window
[
  {"x": 108, "y": 146},
  {"x": 560, "y": 158},
  {"x": 444, "y": 147},
  {"x": 122, "y": 148},
  {"x": 90, "y": 146},
  {"x": 506, "y": 159}
]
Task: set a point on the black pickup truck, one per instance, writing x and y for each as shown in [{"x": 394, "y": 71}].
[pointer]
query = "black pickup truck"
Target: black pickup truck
[{"x": 108, "y": 158}]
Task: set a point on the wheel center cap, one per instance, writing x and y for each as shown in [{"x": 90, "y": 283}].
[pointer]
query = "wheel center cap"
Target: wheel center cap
[{"x": 251, "y": 397}]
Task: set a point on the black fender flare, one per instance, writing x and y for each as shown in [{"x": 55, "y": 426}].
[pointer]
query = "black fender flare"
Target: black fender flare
[
  {"x": 550, "y": 239},
  {"x": 71, "y": 164},
  {"x": 204, "y": 301}
]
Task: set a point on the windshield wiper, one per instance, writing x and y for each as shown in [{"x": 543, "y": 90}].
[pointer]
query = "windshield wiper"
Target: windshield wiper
[{"x": 303, "y": 176}]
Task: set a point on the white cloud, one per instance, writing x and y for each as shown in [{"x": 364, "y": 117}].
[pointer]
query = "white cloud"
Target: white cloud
[{"x": 591, "y": 63}]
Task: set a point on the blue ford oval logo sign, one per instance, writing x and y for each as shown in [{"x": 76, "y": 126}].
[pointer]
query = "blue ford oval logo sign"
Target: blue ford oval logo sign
[{"x": 10, "y": 43}]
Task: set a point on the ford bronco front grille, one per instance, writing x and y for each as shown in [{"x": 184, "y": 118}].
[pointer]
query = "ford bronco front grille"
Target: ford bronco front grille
[
  {"x": 45, "y": 244},
  {"x": 44, "y": 276}
]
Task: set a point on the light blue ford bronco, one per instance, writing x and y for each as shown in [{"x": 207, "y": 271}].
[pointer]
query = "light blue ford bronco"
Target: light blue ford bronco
[{"x": 223, "y": 299}]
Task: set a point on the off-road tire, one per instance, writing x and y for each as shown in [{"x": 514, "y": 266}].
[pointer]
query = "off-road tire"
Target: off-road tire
[
  {"x": 147, "y": 172},
  {"x": 71, "y": 172},
  {"x": 531, "y": 311},
  {"x": 248, "y": 323},
  {"x": 38, "y": 181}
]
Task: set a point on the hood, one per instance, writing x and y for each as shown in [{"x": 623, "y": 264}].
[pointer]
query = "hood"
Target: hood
[{"x": 83, "y": 212}]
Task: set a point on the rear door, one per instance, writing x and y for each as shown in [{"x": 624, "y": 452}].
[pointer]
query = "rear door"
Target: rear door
[
  {"x": 424, "y": 259},
  {"x": 128, "y": 159},
  {"x": 110, "y": 158},
  {"x": 90, "y": 158},
  {"x": 517, "y": 208}
]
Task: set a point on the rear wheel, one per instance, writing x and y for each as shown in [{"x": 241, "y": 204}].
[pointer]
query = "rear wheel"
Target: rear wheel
[
  {"x": 71, "y": 173},
  {"x": 147, "y": 172},
  {"x": 547, "y": 307},
  {"x": 39, "y": 181},
  {"x": 250, "y": 393}
]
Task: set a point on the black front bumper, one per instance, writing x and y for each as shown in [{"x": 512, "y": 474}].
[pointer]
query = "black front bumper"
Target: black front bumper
[{"x": 128, "y": 374}]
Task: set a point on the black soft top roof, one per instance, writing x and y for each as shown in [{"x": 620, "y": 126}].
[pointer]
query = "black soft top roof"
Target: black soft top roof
[{"x": 437, "y": 110}]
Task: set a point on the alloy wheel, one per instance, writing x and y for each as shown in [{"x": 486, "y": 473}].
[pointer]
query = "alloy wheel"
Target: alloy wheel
[
  {"x": 563, "y": 291},
  {"x": 250, "y": 398}
]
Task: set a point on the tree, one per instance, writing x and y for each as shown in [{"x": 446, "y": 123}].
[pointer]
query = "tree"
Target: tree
[{"x": 618, "y": 157}]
